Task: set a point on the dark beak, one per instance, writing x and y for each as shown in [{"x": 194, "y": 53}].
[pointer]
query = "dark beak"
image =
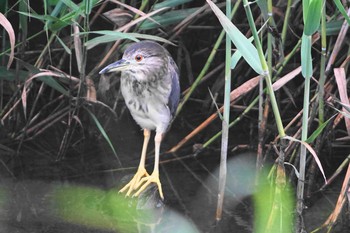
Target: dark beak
[{"x": 116, "y": 66}]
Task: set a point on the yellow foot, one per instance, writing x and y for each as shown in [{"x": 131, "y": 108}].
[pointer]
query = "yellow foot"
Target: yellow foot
[
  {"x": 135, "y": 182},
  {"x": 145, "y": 181}
]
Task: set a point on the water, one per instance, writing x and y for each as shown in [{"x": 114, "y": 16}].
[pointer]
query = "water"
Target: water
[{"x": 89, "y": 176}]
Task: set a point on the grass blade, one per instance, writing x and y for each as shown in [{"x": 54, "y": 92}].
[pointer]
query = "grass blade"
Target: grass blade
[
  {"x": 103, "y": 132},
  {"x": 167, "y": 18},
  {"x": 340, "y": 77},
  {"x": 248, "y": 51},
  {"x": 313, "y": 17},
  {"x": 306, "y": 58},
  {"x": 108, "y": 38},
  {"x": 111, "y": 36},
  {"x": 342, "y": 10},
  {"x": 75, "y": 8},
  {"x": 64, "y": 45},
  {"x": 285, "y": 79},
  {"x": 312, "y": 151},
  {"x": 318, "y": 131},
  {"x": 8, "y": 27},
  {"x": 170, "y": 3}
]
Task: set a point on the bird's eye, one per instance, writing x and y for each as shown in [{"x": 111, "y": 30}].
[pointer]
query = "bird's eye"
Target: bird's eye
[{"x": 138, "y": 58}]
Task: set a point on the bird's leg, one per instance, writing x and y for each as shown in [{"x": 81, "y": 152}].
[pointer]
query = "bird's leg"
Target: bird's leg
[
  {"x": 154, "y": 177},
  {"x": 141, "y": 171}
]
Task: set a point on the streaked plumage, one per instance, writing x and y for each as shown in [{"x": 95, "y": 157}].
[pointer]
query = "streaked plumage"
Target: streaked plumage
[{"x": 150, "y": 87}]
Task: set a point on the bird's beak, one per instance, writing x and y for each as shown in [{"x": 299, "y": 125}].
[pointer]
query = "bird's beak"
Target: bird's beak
[{"x": 116, "y": 66}]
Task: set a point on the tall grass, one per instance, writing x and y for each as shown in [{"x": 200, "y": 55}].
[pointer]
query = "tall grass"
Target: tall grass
[{"x": 50, "y": 56}]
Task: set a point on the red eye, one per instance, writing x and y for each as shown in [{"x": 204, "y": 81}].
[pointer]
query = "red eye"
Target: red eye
[{"x": 138, "y": 57}]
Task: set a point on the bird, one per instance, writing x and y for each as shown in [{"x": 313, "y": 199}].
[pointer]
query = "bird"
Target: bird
[{"x": 149, "y": 83}]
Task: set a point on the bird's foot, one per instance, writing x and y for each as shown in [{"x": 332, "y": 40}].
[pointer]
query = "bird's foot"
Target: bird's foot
[
  {"x": 135, "y": 182},
  {"x": 145, "y": 181}
]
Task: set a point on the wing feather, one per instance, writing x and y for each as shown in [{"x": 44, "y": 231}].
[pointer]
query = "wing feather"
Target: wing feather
[{"x": 174, "y": 96}]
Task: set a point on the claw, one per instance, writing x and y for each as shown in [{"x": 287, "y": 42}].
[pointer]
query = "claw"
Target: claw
[
  {"x": 145, "y": 181},
  {"x": 135, "y": 182}
]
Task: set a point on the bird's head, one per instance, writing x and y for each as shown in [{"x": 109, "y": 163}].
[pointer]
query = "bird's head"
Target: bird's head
[{"x": 141, "y": 60}]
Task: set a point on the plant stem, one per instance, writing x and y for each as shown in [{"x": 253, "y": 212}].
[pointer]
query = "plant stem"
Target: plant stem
[
  {"x": 322, "y": 68},
  {"x": 302, "y": 162},
  {"x": 249, "y": 107},
  {"x": 265, "y": 68},
  {"x": 225, "y": 123},
  {"x": 286, "y": 23},
  {"x": 253, "y": 103}
]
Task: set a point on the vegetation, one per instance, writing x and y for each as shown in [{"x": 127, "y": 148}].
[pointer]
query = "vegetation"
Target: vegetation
[{"x": 282, "y": 71}]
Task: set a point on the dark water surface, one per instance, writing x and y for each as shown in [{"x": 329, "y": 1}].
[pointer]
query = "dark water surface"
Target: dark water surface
[{"x": 89, "y": 177}]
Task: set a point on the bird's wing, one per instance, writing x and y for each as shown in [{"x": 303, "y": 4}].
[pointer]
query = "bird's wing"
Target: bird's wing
[{"x": 174, "y": 96}]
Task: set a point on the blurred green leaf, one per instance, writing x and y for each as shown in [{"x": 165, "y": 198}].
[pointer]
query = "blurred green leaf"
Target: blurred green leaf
[
  {"x": 94, "y": 208},
  {"x": 170, "y": 3},
  {"x": 107, "y": 210},
  {"x": 168, "y": 18},
  {"x": 248, "y": 51},
  {"x": 306, "y": 58},
  {"x": 274, "y": 208},
  {"x": 342, "y": 10},
  {"x": 313, "y": 17}
]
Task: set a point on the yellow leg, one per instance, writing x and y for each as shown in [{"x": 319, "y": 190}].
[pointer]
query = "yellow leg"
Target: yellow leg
[
  {"x": 154, "y": 177},
  {"x": 141, "y": 171}
]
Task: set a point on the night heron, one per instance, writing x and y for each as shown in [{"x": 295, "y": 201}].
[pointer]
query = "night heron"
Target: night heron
[{"x": 150, "y": 87}]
